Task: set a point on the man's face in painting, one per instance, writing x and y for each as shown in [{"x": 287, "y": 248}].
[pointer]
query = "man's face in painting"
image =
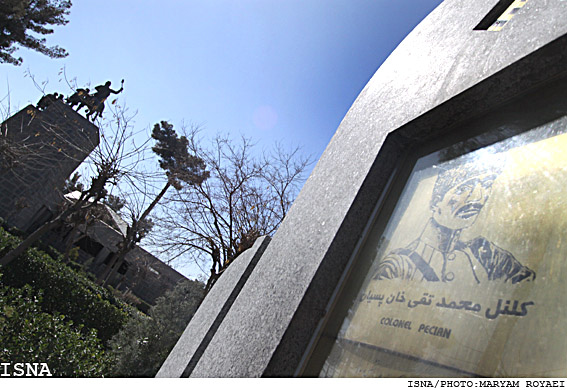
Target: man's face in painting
[{"x": 460, "y": 205}]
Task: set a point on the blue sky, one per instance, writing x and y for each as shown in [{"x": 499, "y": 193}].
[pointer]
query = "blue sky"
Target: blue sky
[{"x": 272, "y": 70}]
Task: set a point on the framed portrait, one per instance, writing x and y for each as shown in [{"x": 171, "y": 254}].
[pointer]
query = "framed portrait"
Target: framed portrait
[{"x": 466, "y": 275}]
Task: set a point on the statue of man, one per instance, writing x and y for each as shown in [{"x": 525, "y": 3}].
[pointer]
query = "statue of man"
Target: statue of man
[
  {"x": 104, "y": 91},
  {"x": 79, "y": 97},
  {"x": 46, "y": 100},
  {"x": 97, "y": 100}
]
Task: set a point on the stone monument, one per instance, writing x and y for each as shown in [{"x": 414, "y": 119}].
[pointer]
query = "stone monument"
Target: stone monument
[
  {"x": 49, "y": 144},
  {"x": 430, "y": 238}
]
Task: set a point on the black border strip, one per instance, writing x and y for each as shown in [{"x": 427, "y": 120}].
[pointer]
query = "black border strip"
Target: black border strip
[{"x": 493, "y": 15}]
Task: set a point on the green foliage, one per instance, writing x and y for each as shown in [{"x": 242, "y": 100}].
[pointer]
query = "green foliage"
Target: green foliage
[
  {"x": 20, "y": 18},
  {"x": 28, "y": 335},
  {"x": 65, "y": 291},
  {"x": 175, "y": 159},
  {"x": 143, "y": 344},
  {"x": 74, "y": 254}
]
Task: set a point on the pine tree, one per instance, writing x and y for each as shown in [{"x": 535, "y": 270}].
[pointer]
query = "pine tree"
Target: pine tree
[
  {"x": 114, "y": 202},
  {"x": 175, "y": 160},
  {"x": 180, "y": 167},
  {"x": 20, "y": 18}
]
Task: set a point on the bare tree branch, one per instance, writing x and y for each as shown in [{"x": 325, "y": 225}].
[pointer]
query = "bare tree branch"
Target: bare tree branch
[{"x": 244, "y": 198}]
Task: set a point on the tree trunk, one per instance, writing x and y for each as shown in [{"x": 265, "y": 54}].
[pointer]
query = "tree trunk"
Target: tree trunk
[
  {"x": 129, "y": 241},
  {"x": 30, "y": 240},
  {"x": 72, "y": 238}
]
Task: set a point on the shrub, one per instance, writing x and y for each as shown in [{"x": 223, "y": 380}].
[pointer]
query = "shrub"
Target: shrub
[
  {"x": 28, "y": 335},
  {"x": 143, "y": 344},
  {"x": 64, "y": 290}
]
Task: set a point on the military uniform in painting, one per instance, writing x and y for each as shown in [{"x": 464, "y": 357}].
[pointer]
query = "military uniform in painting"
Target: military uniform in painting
[
  {"x": 438, "y": 254},
  {"x": 477, "y": 260}
]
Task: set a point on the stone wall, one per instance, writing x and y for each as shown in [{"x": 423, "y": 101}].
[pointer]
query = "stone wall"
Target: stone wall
[{"x": 48, "y": 146}]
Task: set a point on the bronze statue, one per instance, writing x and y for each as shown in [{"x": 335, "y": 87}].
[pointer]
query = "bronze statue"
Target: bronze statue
[
  {"x": 46, "y": 100},
  {"x": 96, "y": 101},
  {"x": 94, "y": 108},
  {"x": 78, "y": 98}
]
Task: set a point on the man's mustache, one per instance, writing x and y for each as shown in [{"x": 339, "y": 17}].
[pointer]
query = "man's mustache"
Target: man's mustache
[{"x": 469, "y": 210}]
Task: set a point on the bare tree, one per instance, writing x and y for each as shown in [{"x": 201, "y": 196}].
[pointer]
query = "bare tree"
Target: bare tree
[{"x": 245, "y": 197}]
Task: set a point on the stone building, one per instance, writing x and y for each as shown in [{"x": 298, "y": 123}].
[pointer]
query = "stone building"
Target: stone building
[
  {"x": 141, "y": 278},
  {"x": 39, "y": 151}
]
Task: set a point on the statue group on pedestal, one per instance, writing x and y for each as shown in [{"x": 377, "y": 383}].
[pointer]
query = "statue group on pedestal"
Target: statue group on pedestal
[{"x": 82, "y": 97}]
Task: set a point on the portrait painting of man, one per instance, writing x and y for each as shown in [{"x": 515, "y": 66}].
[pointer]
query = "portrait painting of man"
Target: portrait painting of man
[
  {"x": 438, "y": 254},
  {"x": 468, "y": 259}
]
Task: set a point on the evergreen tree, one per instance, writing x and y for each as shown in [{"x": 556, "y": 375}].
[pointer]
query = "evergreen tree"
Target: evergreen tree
[
  {"x": 180, "y": 167},
  {"x": 20, "y": 18},
  {"x": 28, "y": 334}
]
